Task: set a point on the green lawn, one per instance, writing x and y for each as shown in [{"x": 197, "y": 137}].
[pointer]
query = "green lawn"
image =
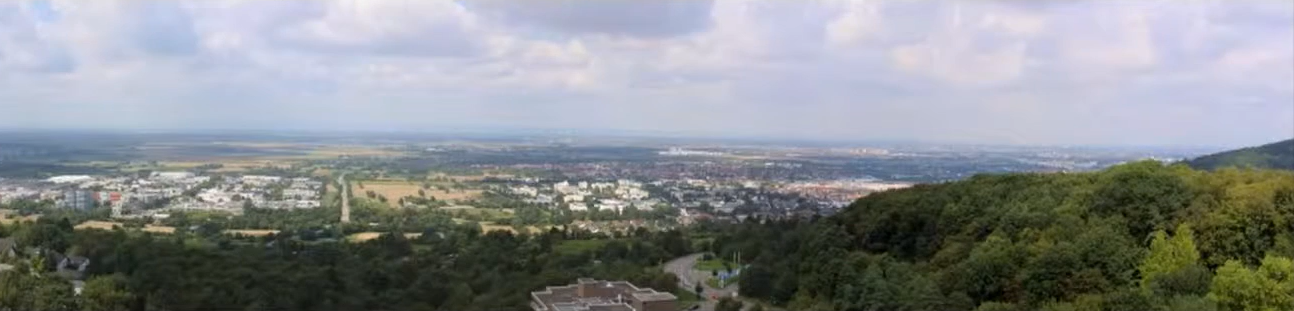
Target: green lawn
[
  {"x": 686, "y": 296},
  {"x": 712, "y": 264},
  {"x": 714, "y": 282},
  {"x": 686, "y": 299}
]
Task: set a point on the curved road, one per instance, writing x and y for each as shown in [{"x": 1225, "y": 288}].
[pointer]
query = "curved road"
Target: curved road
[{"x": 688, "y": 277}]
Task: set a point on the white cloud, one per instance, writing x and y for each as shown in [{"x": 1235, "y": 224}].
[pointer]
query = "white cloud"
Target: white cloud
[{"x": 965, "y": 71}]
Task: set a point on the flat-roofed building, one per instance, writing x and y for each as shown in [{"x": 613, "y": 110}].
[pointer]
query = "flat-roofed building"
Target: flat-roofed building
[{"x": 596, "y": 295}]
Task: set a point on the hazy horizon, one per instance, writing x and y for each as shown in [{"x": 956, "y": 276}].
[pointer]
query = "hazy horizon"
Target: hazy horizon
[{"x": 1013, "y": 73}]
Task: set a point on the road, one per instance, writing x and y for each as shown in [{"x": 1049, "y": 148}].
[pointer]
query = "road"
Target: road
[
  {"x": 689, "y": 277},
  {"x": 345, "y": 198}
]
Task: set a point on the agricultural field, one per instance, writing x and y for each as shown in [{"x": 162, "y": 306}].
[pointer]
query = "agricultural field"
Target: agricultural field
[
  {"x": 11, "y": 217},
  {"x": 251, "y": 232},
  {"x": 365, "y": 236},
  {"x": 483, "y": 213},
  {"x": 393, "y": 190},
  {"x": 234, "y": 156},
  {"x": 108, "y": 225},
  {"x": 159, "y": 229},
  {"x": 96, "y": 224},
  {"x": 487, "y": 226}
]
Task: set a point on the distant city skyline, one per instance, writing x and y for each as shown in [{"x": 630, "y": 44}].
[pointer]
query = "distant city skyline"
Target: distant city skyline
[{"x": 1050, "y": 73}]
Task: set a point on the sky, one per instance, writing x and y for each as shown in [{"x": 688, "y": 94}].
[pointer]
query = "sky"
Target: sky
[{"x": 1202, "y": 73}]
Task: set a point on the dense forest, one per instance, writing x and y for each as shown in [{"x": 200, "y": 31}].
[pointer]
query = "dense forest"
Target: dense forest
[
  {"x": 458, "y": 268},
  {"x": 1139, "y": 236},
  {"x": 1278, "y": 155}
]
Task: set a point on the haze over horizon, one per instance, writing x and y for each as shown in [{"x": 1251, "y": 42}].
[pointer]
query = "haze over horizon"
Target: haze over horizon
[{"x": 1054, "y": 73}]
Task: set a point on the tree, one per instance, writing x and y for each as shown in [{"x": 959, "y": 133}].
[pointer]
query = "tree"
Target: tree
[
  {"x": 105, "y": 293},
  {"x": 1169, "y": 256},
  {"x": 756, "y": 281},
  {"x": 31, "y": 291},
  {"x": 1238, "y": 288},
  {"x": 728, "y": 304}
]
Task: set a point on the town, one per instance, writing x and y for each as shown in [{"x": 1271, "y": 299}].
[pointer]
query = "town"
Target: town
[
  {"x": 160, "y": 193},
  {"x": 675, "y": 205}
]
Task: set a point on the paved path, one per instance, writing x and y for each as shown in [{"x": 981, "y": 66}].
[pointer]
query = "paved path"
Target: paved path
[
  {"x": 688, "y": 277},
  {"x": 345, "y": 198}
]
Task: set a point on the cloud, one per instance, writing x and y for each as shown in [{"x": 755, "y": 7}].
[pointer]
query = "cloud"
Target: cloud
[
  {"x": 23, "y": 48},
  {"x": 648, "y": 19},
  {"x": 1086, "y": 72},
  {"x": 378, "y": 28}
]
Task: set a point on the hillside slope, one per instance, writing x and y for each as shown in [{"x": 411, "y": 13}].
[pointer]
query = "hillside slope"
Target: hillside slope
[
  {"x": 1138, "y": 236},
  {"x": 1278, "y": 155}
]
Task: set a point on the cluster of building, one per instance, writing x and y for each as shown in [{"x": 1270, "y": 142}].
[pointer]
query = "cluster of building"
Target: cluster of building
[
  {"x": 164, "y": 192},
  {"x": 584, "y": 196},
  {"x": 260, "y": 191},
  {"x": 680, "y": 152},
  {"x": 596, "y": 295},
  {"x": 841, "y": 191}
]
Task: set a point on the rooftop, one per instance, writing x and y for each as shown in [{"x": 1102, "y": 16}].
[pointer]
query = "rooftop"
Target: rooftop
[{"x": 596, "y": 295}]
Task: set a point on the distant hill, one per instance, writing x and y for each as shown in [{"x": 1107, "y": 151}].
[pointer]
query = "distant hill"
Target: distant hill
[{"x": 1278, "y": 155}]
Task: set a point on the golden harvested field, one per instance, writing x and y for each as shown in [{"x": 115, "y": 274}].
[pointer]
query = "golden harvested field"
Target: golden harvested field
[
  {"x": 490, "y": 226},
  {"x": 394, "y": 190},
  {"x": 487, "y": 226},
  {"x": 12, "y": 219},
  {"x": 365, "y": 236},
  {"x": 96, "y": 224},
  {"x": 159, "y": 229},
  {"x": 251, "y": 232},
  {"x": 107, "y": 225}
]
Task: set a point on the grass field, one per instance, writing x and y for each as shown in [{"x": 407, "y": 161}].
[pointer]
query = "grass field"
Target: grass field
[
  {"x": 714, "y": 282},
  {"x": 713, "y": 264},
  {"x": 484, "y": 213},
  {"x": 686, "y": 299}
]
